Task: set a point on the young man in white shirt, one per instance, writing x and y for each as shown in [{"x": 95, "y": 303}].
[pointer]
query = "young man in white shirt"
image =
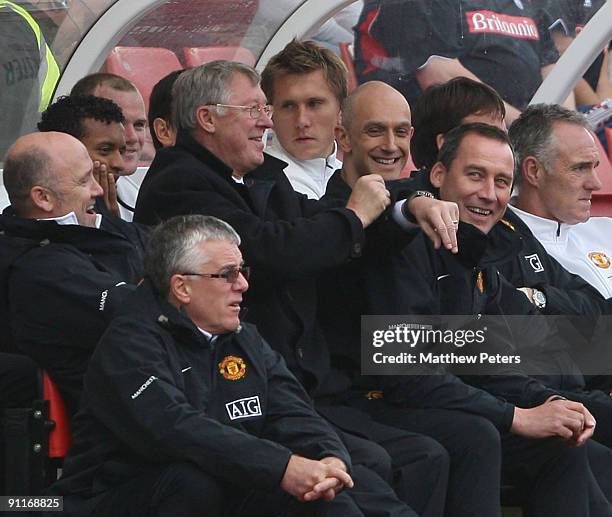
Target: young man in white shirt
[{"x": 305, "y": 83}]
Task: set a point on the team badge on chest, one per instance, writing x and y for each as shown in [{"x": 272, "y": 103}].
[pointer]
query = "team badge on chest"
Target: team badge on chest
[
  {"x": 600, "y": 259},
  {"x": 232, "y": 368}
]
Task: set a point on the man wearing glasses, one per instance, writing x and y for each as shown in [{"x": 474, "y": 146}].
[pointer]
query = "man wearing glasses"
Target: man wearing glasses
[
  {"x": 187, "y": 411},
  {"x": 218, "y": 168}
]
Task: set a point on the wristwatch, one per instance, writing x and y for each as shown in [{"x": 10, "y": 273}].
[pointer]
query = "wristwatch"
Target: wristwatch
[
  {"x": 539, "y": 298},
  {"x": 417, "y": 193}
]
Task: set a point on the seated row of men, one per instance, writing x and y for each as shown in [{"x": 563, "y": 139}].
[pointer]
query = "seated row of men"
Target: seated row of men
[{"x": 166, "y": 426}]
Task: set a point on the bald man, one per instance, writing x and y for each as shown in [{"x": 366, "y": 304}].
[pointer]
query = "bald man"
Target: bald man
[
  {"x": 64, "y": 290},
  {"x": 375, "y": 138}
]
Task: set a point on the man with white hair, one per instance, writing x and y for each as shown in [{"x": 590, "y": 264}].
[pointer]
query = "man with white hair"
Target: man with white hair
[{"x": 187, "y": 410}]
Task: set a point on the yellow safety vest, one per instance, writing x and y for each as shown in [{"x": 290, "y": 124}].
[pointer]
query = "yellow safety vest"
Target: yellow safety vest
[{"x": 48, "y": 71}]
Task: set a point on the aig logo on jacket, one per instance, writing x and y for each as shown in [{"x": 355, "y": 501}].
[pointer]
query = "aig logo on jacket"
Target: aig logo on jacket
[{"x": 244, "y": 408}]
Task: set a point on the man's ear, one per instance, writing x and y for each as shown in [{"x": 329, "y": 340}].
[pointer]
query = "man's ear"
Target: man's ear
[
  {"x": 180, "y": 290},
  {"x": 439, "y": 140},
  {"x": 42, "y": 198},
  {"x": 205, "y": 118},
  {"x": 436, "y": 175},
  {"x": 532, "y": 171},
  {"x": 343, "y": 139},
  {"x": 163, "y": 132}
]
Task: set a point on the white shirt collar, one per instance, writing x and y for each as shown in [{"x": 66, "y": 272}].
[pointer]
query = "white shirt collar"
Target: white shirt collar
[
  {"x": 211, "y": 338},
  {"x": 309, "y": 177},
  {"x": 71, "y": 218},
  {"x": 274, "y": 148},
  {"x": 544, "y": 229}
]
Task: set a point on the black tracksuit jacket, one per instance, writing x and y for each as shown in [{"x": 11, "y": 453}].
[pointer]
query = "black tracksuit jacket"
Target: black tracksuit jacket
[
  {"x": 155, "y": 393},
  {"x": 63, "y": 291}
]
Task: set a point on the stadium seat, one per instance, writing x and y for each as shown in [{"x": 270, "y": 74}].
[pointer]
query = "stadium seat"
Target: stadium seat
[
  {"x": 346, "y": 55},
  {"x": 608, "y": 133},
  {"x": 601, "y": 202},
  {"x": 60, "y": 436},
  {"x": 144, "y": 66},
  {"x": 37, "y": 440},
  {"x": 196, "y": 56}
]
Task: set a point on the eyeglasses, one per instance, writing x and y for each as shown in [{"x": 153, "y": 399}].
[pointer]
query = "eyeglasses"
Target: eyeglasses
[
  {"x": 230, "y": 276},
  {"x": 254, "y": 111}
]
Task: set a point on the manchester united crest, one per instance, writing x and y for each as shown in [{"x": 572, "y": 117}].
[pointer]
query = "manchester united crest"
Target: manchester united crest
[
  {"x": 600, "y": 259},
  {"x": 232, "y": 368}
]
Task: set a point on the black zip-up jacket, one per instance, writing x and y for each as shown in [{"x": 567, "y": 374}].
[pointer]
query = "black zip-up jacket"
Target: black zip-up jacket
[
  {"x": 157, "y": 392},
  {"x": 423, "y": 280},
  {"x": 287, "y": 239},
  {"x": 405, "y": 283},
  {"x": 64, "y": 290}
]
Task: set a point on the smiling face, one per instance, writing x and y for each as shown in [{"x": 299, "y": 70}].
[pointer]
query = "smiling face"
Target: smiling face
[
  {"x": 213, "y": 303},
  {"x": 135, "y": 125},
  {"x": 377, "y": 140},
  {"x": 479, "y": 180},
  {"x": 105, "y": 142},
  {"x": 237, "y": 137},
  {"x": 75, "y": 189},
  {"x": 565, "y": 189},
  {"x": 306, "y": 112}
]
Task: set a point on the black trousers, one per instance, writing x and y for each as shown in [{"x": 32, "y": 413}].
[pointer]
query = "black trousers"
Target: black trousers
[
  {"x": 474, "y": 449},
  {"x": 416, "y": 466},
  {"x": 183, "y": 490},
  {"x": 554, "y": 479}
]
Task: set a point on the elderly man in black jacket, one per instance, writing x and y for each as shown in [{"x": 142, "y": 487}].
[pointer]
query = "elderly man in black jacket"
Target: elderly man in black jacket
[
  {"x": 187, "y": 411},
  {"x": 217, "y": 168},
  {"x": 68, "y": 283}
]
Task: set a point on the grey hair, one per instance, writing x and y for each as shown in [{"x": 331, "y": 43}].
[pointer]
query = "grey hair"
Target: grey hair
[
  {"x": 202, "y": 85},
  {"x": 532, "y": 134},
  {"x": 30, "y": 167},
  {"x": 173, "y": 247}
]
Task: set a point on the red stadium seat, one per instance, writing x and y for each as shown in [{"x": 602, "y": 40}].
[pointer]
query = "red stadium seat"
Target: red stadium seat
[
  {"x": 608, "y": 132},
  {"x": 60, "y": 437},
  {"x": 37, "y": 439},
  {"x": 196, "y": 56},
  {"x": 144, "y": 66},
  {"x": 346, "y": 55},
  {"x": 601, "y": 203}
]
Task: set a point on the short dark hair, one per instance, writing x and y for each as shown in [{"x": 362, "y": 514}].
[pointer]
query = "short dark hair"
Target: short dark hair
[
  {"x": 302, "y": 57},
  {"x": 66, "y": 115},
  {"x": 453, "y": 139},
  {"x": 442, "y": 107},
  {"x": 160, "y": 104},
  {"x": 88, "y": 84},
  {"x": 532, "y": 133}
]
